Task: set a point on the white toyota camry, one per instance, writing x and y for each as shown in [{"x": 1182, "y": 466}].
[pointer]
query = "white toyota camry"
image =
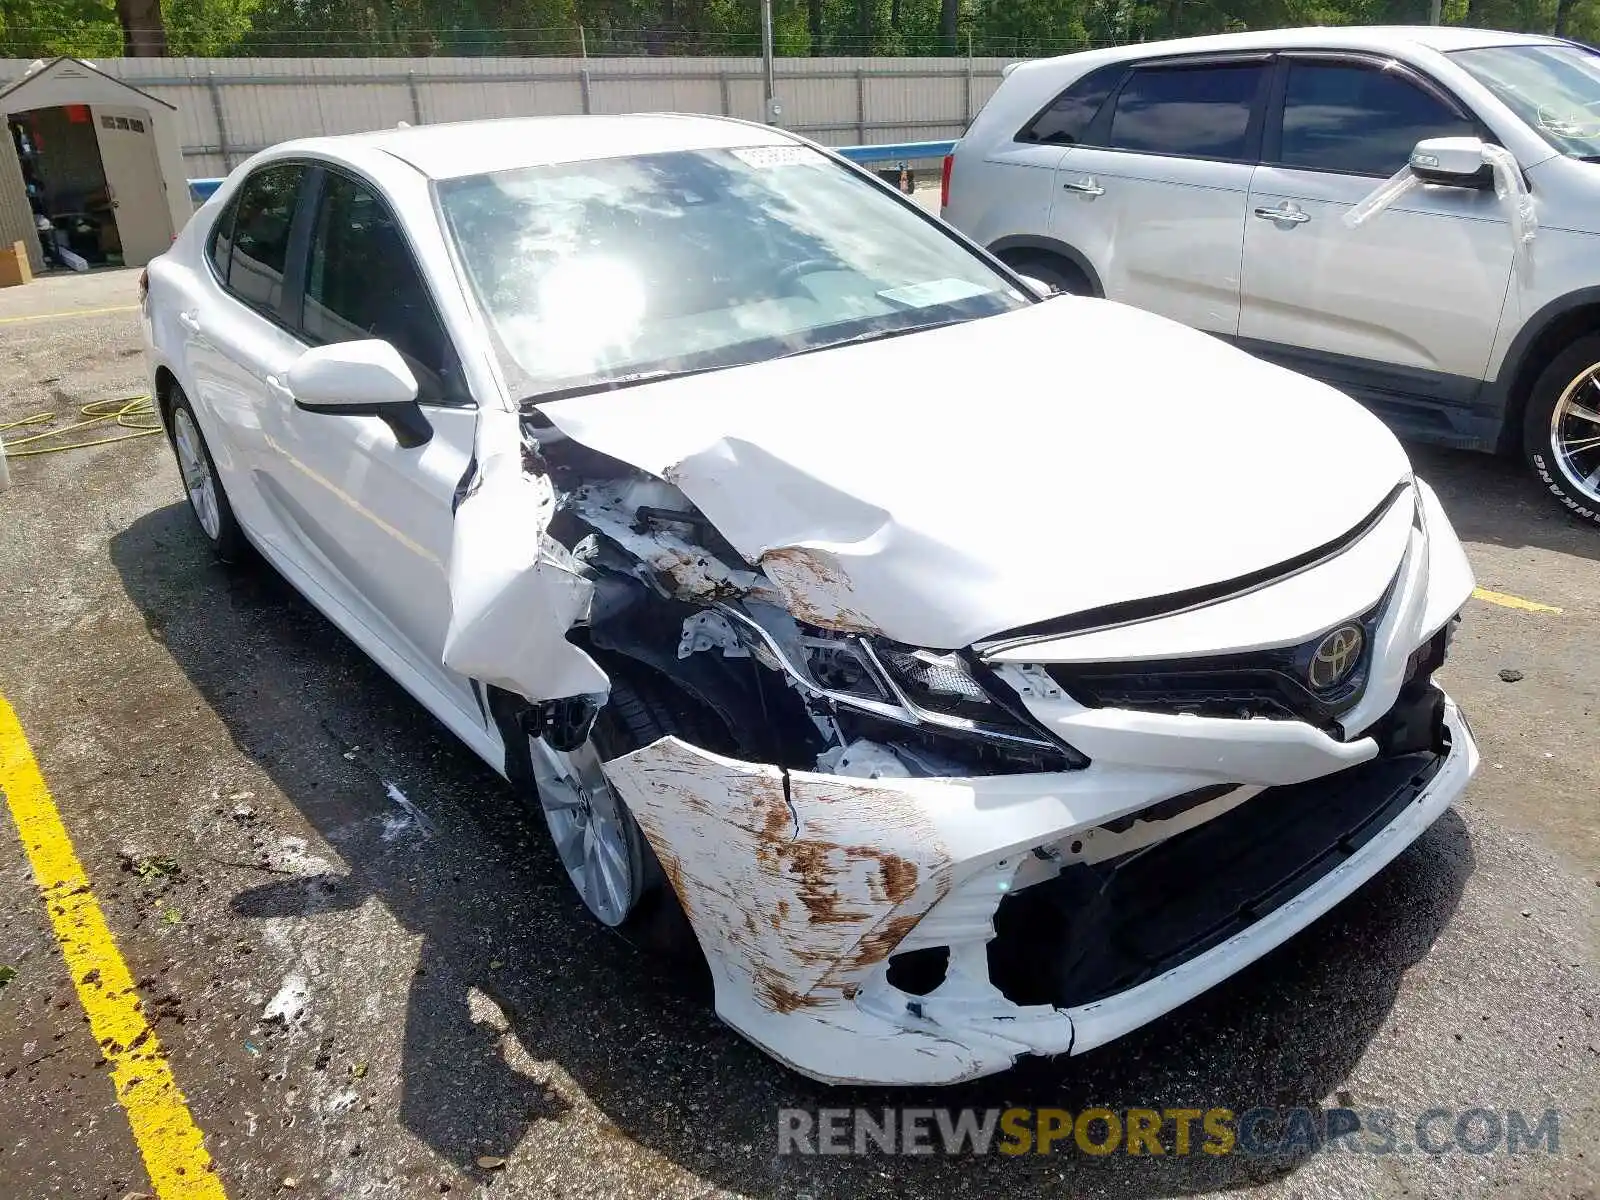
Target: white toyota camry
[{"x": 983, "y": 673}]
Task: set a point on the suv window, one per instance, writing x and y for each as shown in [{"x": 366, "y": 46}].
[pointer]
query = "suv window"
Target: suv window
[
  {"x": 1196, "y": 111},
  {"x": 1069, "y": 115},
  {"x": 1359, "y": 120},
  {"x": 261, "y": 235},
  {"x": 362, "y": 282}
]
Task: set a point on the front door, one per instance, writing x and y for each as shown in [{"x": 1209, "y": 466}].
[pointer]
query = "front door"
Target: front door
[
  {"x": 1158, "y": 207},
  {"x": 1404, "y": 305},
  {"x": 377, "y": 516},
  {"x": 133, "y": 178}
]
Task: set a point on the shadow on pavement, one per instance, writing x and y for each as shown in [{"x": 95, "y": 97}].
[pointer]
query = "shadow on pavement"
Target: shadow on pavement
[
  {"x": 1497, "y": 499},
  {"x": 637, "y": 1033}
]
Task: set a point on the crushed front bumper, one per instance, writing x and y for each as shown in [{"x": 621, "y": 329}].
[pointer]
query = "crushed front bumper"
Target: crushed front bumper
[{"x": 800, "y": 888}]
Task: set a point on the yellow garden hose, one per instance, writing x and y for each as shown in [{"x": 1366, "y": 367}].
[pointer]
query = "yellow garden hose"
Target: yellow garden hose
[{"x": 137, "y": 414}]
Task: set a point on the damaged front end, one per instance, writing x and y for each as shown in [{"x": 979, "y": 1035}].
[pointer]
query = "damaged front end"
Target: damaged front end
[{"x": 913, "y": 865}]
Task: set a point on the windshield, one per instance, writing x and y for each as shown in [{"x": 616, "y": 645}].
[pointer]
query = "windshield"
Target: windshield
[
  {"x": 1556, "y": 89},
  {"x": 598, "y": 272}
]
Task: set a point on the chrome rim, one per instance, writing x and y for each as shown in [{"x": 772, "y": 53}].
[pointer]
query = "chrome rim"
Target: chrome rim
[
  {"x": 196, "y": 471},
  {"x": 588, "y": 826},
  {"x": 1575, "y": 434}
]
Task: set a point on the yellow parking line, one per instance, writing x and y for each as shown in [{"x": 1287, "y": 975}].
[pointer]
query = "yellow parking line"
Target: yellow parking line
[
  {"x": 172, "y": 1145},
  {"x": 1508, "y": 601},
  {"x": 73, "y": 312}
]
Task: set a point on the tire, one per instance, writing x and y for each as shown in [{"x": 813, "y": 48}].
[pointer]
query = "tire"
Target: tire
[
  {"x": 642, "y": 708},
  {"x": 208, "y": 502},
  {"x": 1060, "y": 274},
  {"x": 1561, "y": 429}
]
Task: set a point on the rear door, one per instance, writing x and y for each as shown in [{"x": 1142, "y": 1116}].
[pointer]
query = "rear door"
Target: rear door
[
  {"x": 1155, "y": 200},
  {"x": 1016, "y": 184},
  {"x": 237, "y": 332},
  {"x": 1406, "y": 304}
]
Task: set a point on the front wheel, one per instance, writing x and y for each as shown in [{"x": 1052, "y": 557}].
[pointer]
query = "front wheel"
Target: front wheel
[{"x": 1561, "y": 428}]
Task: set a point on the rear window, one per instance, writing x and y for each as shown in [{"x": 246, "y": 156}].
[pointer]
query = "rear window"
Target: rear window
[
  {"x": 1195, "y": 111},
  {"x": 261, "y": 235},
  {"x": 1067, "y": 120}
]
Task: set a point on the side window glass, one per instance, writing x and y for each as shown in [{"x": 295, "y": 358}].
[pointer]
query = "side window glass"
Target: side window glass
[
  {"x": 261, "y": 235},
  {"x": 362, "y": 282},
  {"x": 1359, "y": 120},
  {"x": 220, "y": 246},
  {"x": 1066, "y": 120},
  {"x": 1201, "y": 112}
]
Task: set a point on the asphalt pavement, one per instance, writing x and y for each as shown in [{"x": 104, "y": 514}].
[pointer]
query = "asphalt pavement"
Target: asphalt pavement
[{"x": 369, "y": 977}]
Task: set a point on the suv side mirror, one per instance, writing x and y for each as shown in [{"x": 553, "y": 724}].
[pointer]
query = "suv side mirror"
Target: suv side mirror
[
  {"x": 1452, "y": 161},
  {"x": 365, "y": 378}
]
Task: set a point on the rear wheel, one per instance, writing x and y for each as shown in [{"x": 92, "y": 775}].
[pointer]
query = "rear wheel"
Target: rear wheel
[
  {"x": 202, "y": 485},
  {"x": 1561, "y": 428},
  {"x": 599, "y": 844}
]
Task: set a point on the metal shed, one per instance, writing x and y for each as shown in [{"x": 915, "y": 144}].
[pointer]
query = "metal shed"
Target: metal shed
[{"x": 97, "y": 158}]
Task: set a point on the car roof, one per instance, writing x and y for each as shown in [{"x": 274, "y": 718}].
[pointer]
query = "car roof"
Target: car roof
[
  {"x": 1379, "y": 38},
  {"x": 454, "y": 149}
]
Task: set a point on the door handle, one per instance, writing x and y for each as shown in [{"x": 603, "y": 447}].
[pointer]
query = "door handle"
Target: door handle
[
  {"x": 1289, "y": 213},
  {"x": 280, "y": 389},
  {"x": 1085, "y": 186},
  {"x": 190, "y": 321}
]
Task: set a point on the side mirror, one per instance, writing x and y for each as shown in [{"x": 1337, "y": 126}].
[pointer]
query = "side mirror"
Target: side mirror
[
  {"x": 366, "y": 378},
  {"x": 1452, "y": 161}
]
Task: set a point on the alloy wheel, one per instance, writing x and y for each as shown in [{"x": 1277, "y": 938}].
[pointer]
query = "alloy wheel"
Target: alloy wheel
[
  {"x": 196, "y": 471},
  {"x": 1575, "y": 433},
  {"x": 589, "y": 827}
]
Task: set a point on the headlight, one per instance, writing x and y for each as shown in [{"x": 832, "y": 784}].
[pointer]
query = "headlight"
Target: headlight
[{"x": 931, "y": 691}]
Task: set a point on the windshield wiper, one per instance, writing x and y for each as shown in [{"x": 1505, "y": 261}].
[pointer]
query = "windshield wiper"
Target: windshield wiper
[
  {"x": 878, "y": 335},
  {"x": 615, "y": 383}
]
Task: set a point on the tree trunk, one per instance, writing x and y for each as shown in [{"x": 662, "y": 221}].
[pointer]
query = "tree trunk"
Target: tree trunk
[
  {"x": 814, "y": 24},
  {"x": 1563, "y": 13},
  {"x": 1174, "y": 10},
  {"x": 143, "y": 33},
  {"x": 949, "y": 18}
]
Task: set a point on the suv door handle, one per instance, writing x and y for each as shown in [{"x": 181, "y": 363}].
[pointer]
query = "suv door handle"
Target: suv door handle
[
  {"x": 1288, "y": 212},
  {"x": 1086, "y": 186}
]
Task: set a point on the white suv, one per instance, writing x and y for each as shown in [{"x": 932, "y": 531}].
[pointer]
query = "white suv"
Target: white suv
[{"x": 1213, "y": 180}]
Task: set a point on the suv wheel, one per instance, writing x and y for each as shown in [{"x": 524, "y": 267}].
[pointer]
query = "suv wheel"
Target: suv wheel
[{"x": 1561, "y": 428}]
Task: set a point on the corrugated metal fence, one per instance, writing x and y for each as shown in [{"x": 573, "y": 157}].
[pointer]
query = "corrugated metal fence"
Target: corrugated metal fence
[{"x": 231, "y": 107}]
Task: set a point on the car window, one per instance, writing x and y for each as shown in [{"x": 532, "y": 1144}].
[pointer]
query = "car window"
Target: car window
[
  {"x": 261, "y": 235},
  {"x": 1359, "y": 120},
  {"x": 1201, "y": 112},
  {"x": 1069, "y": 115},
  {"x": 220, "y": 245},
  {"x": 362, "y": 281}
]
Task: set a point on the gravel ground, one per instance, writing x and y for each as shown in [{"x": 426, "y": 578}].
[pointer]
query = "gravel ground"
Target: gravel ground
[{"x": 366, "y": 1004}]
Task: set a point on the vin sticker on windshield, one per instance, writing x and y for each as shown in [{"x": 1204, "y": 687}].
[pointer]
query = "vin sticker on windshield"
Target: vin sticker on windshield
[
  {"x": 776, "y": 156},
  {"x": 935, "y": 291}
]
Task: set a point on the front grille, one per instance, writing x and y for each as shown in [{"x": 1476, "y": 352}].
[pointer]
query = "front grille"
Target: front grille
[{"x": 1260, "y": 684}]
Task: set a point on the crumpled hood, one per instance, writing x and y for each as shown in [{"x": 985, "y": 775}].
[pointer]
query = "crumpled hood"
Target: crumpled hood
[{"x": 944, "y": 486}]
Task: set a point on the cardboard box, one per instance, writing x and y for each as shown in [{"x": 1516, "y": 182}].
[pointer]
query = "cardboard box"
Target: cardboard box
[{"x": 14, "y": 267}]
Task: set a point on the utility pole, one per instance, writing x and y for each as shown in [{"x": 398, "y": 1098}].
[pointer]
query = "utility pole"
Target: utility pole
[
  {"x": 771, "y": 102},
  {"x": 1433, "y": 12}
]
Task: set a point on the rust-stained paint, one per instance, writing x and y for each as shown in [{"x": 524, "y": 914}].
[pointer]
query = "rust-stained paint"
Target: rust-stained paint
[
  {"x": 815, "y": 588},
  {"x": 793, "y": 893}
]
